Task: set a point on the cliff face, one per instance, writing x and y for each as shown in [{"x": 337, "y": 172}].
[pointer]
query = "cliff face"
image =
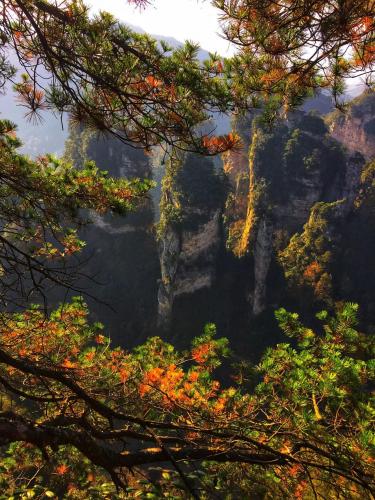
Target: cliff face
[
  {"x": 145, "y": 261},
  {"x": 290, "y": 168},
  {"x": 122, "y": 254},
  {"x": 189, "y": 231},
  {"x": 356, "y": 128},
  {"x": 197, "y": 256},
  {"x": 288, "y": 222},
  {"x": 169, "y": 254},
  {"x": 332, "y": 259}
]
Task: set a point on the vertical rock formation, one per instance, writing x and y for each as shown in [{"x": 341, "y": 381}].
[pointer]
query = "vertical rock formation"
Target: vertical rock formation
[
  {"x": 290, "y": 168},
  {"x": 263, "y": 250},
  {"x": 354, "y": 166},
  {"x": 121, "y": 252},
  {"x": 189, "y": 230},
  {"x": 300, "y": 211},
  {"x": 169, "y": 255},
  {"x": 356, "y": 127}
]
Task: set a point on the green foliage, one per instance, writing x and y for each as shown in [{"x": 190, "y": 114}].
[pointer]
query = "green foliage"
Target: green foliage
[
  {"x": 170, "y": 201},
  {"x": 191, "y": 191},
  {"x": 325, "y": 377},
  {"x": 284, "y": 164},
  {"x": 110, "y": 78},
  {"x": 307, "y": 258},
  {"x": 40, "y": 212},
  {"x": 273, "y": 41},
  {"x": 320, "y": 389},
  {"x": 309, "y": 151},
  {"x": 366, "y": 199},
  {"x": 309, "y": 421}
]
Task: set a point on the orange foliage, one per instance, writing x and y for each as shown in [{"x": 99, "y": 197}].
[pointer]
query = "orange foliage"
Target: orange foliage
[
  {"x": 313, "y": 271},
  {"x": 219, "y": 144},
  {"x": 124, "y": 375},
  {"x": 219, "y": 67},
  {"x": 153, "y": 375},
  {"x": 100, "y": 339},
  {"x": 68, "y": 364},
  {"x": 295, "y": 469},
  {"x": 369, "y": 53},
  {"x": 176, "y": 387},
  {"x": 153, "y": 82},
  {"x": 201, "y": 353},
  {"x": 300, "y": 490},
  {"x": 62, "y": 469},
  {"x": 367, "y": 56},
  {"x": 193, "y": 376},
  {"x": 90, "y": 477},
  {"x": 90, "y": 355},
  {"x": 273, "y": 76}
]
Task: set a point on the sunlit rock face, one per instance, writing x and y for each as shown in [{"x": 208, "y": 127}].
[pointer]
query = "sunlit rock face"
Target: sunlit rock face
[
  {"x": 356, "y": 128},
  {"x": 288, "y": 169}
]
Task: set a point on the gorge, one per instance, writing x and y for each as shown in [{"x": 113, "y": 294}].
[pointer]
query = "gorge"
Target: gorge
[{"x": 285, "y": 221}]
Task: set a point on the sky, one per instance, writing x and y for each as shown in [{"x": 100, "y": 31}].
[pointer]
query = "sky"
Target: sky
[{"x": 194, "y": 20}]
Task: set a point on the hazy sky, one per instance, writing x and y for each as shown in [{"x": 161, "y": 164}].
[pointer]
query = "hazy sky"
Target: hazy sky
[{"x": 181, "y": 19}]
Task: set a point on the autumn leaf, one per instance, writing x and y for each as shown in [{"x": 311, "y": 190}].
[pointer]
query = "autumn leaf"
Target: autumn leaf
[
  {"x": 124, "y": 375},
  {"x": 61, "y": 469},
  {"x": 100, "y": 339},
  {"x": 153, "y": 82},
  {"x": 68, "y": 364}
]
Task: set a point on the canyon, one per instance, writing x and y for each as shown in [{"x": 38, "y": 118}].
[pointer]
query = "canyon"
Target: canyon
[{"x": 274, "y": 224}]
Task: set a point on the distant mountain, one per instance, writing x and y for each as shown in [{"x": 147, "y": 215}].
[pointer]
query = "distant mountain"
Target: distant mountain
[{"x": 47, "y": 136}]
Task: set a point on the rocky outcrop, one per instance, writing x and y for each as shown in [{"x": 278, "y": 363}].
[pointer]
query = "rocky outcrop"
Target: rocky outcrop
[
  {"x": 169, "y": 254},
  {"x": 263, "y": 250},
  {"x": 121, "y": 256},
  {"x": 290, "y": 168},
  {"x": 189, "y": 231},
  {"x": 291, "y": 196},
  {"x": 354, "y": 166},
  {"x": 188, "y": 264},
  {"x": 356, "y": 127},
  {"x": 198, "y": 256}
]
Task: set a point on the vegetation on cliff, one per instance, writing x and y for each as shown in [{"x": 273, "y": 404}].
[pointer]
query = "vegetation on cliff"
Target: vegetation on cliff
[
  {"x": 307, "y": 258},
  {"x": 284, "y": 164}
]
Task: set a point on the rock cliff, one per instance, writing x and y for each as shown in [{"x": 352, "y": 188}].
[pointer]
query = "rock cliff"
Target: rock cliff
[
  {"x": 189, "y": 230},
  {"x": 356, "y": 128},
  {"x": 287, "y": 221},
  {"x": 290, "y": 168},
  {"x": 121, "y": 257}
]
